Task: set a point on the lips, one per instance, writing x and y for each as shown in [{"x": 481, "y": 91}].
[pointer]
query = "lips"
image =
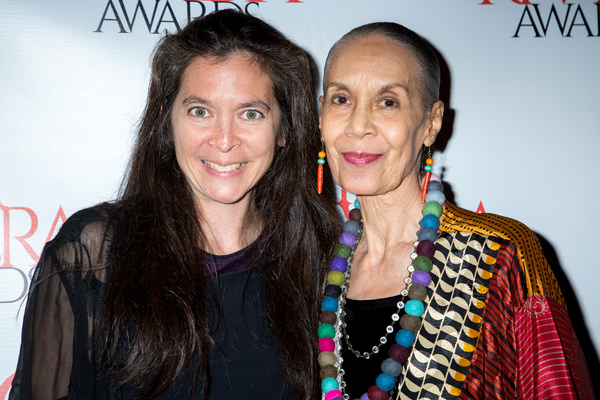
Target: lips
[
  {"x": 224, "y": 168},
  {"x": 360, "y": 158}
]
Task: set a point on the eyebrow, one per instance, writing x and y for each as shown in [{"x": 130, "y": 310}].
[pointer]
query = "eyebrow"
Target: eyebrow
[
  {"x": 383, "y": 89},
  {"x": 338, "y": 85},
  {"x": 255, "y": 104},
  {"x": 395, "y": 85},
  {"x": 200, "y": 100},
  {"x": 195, "y": 100}
]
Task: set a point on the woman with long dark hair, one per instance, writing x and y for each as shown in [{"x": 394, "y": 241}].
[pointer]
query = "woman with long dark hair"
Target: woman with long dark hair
[{"x": 201, "y": 279}]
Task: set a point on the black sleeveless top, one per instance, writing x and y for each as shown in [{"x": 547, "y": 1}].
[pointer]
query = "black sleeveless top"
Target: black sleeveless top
[{"x": 367, "y": 321}]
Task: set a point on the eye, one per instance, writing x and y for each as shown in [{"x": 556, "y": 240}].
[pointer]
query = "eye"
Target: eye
[
  {"x": 389, "y": 103},
  {"x": 252, "y": 114},
  {"x": 199, "y": 112},
  {"x": 340, "y": 99}
]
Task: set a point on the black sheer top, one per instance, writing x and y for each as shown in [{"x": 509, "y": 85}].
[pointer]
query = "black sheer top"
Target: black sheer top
[{"x": 61, "y": 347}]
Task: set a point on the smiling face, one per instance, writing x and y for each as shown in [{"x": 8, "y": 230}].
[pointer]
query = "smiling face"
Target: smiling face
[
  {"x": 372, "y": 118},
  {"x": 225, "y": 120}
]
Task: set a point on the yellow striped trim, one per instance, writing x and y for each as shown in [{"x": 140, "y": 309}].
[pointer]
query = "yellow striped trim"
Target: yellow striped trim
[{"x": 539, "y": 277}]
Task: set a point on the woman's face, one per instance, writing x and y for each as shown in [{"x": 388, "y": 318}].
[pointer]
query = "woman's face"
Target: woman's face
[
  {"x": 225, "y": 120},
  {"x": 372, "y": 118}
]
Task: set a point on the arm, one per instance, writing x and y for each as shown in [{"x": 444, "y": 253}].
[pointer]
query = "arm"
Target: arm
[
  {"x": 61, "y": 342},
  {"x": 46, "y": 356}
]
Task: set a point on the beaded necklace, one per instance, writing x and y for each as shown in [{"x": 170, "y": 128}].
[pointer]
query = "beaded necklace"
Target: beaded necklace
[{"x": 332, "y": 325}]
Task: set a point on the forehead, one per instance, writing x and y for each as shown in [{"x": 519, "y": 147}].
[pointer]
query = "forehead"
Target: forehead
[
  {"x": 237, "y": 69},
  {"x": 372, "y": 59}
]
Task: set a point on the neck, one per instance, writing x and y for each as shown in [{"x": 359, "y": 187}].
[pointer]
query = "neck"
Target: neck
[
  {"x": 390, "y": 225},
  {"x": 223, "y": 226},
  {"x": 391, "y": 219}
]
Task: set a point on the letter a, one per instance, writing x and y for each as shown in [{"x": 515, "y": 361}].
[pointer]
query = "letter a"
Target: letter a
[
  {"x": 526, "y": 11},
  {"x": 112, "y": 6}
]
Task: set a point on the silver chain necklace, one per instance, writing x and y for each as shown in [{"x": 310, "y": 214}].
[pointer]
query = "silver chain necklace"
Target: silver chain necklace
[{"x": 395, "y": 316}]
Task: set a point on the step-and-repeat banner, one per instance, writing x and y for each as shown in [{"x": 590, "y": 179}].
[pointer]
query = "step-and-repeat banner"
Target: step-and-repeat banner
[{"x": 521, "y": 136}]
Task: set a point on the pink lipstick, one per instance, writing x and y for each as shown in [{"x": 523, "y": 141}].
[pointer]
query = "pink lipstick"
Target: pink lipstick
[{"x": 360, "y": 158}]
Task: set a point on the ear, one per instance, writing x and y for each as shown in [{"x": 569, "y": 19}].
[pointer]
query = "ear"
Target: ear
[
  {"x": 280, "y": 139},
  {"x": 320, "y": 112},
  {"x": 435, "y": 117}
]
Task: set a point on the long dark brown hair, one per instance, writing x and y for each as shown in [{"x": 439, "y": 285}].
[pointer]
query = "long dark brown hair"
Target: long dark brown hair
[{"x": 159, "y": 304}]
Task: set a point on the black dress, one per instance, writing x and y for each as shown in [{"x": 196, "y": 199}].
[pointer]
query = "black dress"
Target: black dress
[{"x": 60, "y": 354}]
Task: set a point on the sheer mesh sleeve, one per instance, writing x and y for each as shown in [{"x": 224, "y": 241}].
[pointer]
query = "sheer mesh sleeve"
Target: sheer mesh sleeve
[{"x": 60, "y": 352}]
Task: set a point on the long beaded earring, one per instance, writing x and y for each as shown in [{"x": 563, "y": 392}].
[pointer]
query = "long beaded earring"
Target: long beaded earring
[
  {"x": 427, "y": 168},
  {"x": 321, "y": 162}
]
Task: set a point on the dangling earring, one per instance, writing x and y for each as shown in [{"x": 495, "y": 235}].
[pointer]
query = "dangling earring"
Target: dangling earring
[
  {"x": 321, "y": 162},
  {"x": 427, "y": 168}
]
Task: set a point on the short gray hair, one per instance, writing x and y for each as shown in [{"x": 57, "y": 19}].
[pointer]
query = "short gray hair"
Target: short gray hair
[{"x": 428, "y": 75}]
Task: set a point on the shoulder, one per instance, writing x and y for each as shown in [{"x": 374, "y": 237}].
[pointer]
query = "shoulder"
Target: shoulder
[
  {"x": 459, "y": 219},
  {"x": 85, "y": 239},
  {"x": 86, "y": 219},
  {"x": 88, "y": 223},
  {"x": 540, "y": 279}
]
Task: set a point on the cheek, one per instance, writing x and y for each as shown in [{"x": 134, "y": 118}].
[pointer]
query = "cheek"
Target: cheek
[
  {"x": 266, "y": 152},
  {"x": 333, "y": 160},
  {"x": 262, "y": 147},
  {"x": 400, "y": 137},
  {"x": 181, "y": 157},
  {"x": 330, "y": 142},
  {"x": 178, "y": 134},
  {"x": 187, "y": 137},
  {"x": 181, "y": 145},
  {"x": 330, "y": 154},
  {"x": 187, "y": 149}
]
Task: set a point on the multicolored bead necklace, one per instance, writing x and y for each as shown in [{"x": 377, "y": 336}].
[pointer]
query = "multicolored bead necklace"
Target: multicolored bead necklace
[{"x": 331, "y": 328}]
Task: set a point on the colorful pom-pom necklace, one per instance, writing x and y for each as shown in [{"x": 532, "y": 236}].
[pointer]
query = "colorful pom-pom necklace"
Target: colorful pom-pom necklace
[{"x": 331, "y": 329}]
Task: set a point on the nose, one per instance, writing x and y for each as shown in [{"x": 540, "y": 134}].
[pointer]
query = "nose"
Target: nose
[
  {"x": 225, "y": 138},
  {"x": 361, "y": 122}
]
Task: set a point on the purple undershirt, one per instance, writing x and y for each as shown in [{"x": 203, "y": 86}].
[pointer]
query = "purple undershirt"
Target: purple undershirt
[{"x": 241, "y": 260}]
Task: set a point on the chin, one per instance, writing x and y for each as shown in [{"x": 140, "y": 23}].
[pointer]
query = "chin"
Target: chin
[
  {"x": 228, "y": 199},
  {"x": 358, "y": 187},
  {"x": 225, "y": 197}
]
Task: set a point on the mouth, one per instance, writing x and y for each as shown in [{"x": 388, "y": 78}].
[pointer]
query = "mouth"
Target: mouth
[
  {"x": 360, "y": 158},
  {"x": 224, "y": 168}
]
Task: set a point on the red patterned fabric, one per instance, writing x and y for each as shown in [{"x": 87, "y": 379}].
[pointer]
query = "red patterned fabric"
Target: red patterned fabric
[
  {"x": 550, "y": 360},
  {"x": 527, "y": 348},
  {"x": 493, "y": 372}
]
